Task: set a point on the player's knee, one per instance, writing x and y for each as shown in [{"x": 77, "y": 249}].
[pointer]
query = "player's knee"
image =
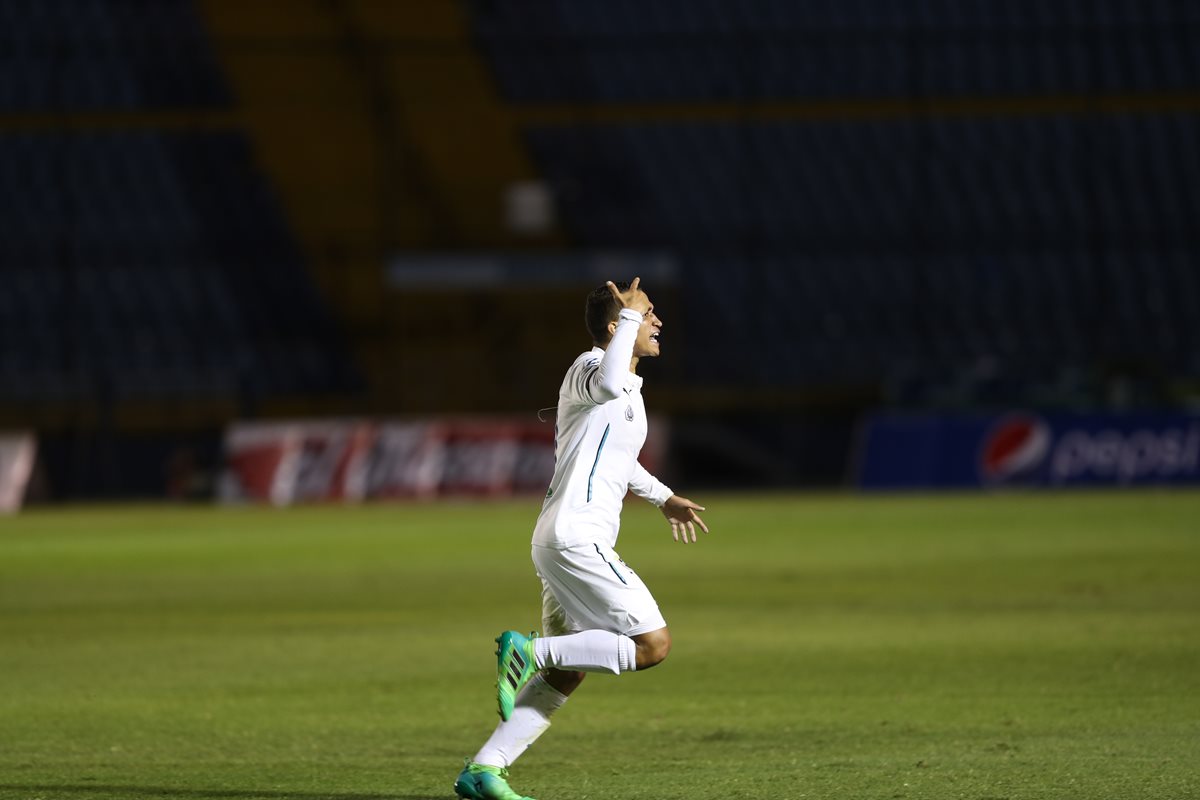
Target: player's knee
[{"x": 652, "y": 648}]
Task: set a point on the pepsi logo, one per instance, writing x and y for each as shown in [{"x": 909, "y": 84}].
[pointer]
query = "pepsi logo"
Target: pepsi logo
[{"x": 1014, "y": 448}]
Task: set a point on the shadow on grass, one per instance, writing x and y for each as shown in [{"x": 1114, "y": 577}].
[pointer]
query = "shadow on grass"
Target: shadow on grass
[{"x": 92, "y": 789}]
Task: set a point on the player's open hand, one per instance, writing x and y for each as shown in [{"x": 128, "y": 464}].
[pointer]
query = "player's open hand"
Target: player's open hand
[
  {"x": 681, "y": 513},
  {"x": 633, "y": 297}
]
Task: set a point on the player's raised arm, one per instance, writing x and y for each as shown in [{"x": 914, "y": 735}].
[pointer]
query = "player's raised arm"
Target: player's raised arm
[{"x": 605, "y": 381}]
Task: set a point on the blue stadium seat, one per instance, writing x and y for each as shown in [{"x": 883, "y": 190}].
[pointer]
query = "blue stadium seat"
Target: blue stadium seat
[
  {"x": 588, "y": 51},
  {"x": 150, "y": 264},
  {"x": 91, "y": 55}
]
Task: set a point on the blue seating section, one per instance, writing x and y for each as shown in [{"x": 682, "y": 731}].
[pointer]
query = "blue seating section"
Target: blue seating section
[
  {"x": 105, "y": 55},
  {"x": 1001, "y": 249},
  {"x": 874, "y": 184},
  {"x": 151, "y": 265},
  {"x": 695, "y": 50},
  {"x": 1021, "y": 317},
  {"x": 842, "y": 252}
]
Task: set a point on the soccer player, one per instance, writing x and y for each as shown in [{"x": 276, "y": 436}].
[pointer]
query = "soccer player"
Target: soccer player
[{"x": 597, "y": 615}]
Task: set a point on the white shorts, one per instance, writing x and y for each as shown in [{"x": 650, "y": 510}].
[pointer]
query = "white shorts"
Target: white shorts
[{"x": 589, "y": 587}]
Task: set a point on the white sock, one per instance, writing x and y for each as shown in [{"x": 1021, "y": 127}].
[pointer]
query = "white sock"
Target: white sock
[
  {"x": 589, "y": 651},
  {"x": 530, "y": 719}
]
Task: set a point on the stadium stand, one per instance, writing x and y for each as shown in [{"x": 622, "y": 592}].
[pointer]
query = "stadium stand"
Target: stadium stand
[
  {"x": 932, "y": 204},
  {"x": 152, "y": 289},
  {"x": 986, "y": 252},
  {"x": 145, "y": 263},
  {"x": 152, "y": 264},
  {"x": 869, "y": 248},
  {"x": 105, "y": 55},
  {"x": 571, "y": 51}
]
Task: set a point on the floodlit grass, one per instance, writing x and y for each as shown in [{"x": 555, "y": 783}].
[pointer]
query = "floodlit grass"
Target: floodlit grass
[{"x": 967, "y": 646}]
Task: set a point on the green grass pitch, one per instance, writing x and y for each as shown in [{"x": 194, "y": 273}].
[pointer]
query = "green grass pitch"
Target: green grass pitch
[{"x": 964, "y": 646}]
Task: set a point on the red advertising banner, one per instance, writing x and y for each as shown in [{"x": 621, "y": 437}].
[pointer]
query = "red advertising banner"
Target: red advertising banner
[{"x": 283, "y": 463}]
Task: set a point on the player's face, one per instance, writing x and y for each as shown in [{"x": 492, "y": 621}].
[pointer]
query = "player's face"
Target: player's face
[{"x": 646, "y": 344}]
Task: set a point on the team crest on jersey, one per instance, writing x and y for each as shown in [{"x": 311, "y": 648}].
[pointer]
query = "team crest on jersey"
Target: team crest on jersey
[{"x": 629, "y": 413}]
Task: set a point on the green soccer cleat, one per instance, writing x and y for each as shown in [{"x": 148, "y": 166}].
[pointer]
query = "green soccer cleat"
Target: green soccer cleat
[
  {"x": 481, "y": 782},
  {"x": 514, "y": 667}
]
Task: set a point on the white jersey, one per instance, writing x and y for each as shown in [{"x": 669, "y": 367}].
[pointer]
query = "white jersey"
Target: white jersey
[{"x": 600, "y": 430}]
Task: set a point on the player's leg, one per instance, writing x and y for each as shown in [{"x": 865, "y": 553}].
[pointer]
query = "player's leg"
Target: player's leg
[
  {"x": 593, "y": 651},
  {"x": 625, "y": 630},
  {"x": 486, "y": 776},
  {"x": 587, "y": 651},
  {"x": 517, "y": 662}
]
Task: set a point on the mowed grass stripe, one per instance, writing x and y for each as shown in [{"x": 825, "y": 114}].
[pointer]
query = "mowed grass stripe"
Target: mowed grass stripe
[{"x": 974, "y": 646}]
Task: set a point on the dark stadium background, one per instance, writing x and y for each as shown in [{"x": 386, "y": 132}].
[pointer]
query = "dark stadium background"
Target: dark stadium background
[{"x": 225, "y": 210}]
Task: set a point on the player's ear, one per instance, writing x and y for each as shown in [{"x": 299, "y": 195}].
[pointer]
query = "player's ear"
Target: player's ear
[{"x": 612, "y": 329}]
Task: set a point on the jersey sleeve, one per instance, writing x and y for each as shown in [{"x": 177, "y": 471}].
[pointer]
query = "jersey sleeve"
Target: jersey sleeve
[
  {"x": 643, "y": 484},
  {"x": 598, "y": 380}
]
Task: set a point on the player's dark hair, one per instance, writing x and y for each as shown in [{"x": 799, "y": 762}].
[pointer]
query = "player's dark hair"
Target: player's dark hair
[{"x": 601, "y": 309}]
